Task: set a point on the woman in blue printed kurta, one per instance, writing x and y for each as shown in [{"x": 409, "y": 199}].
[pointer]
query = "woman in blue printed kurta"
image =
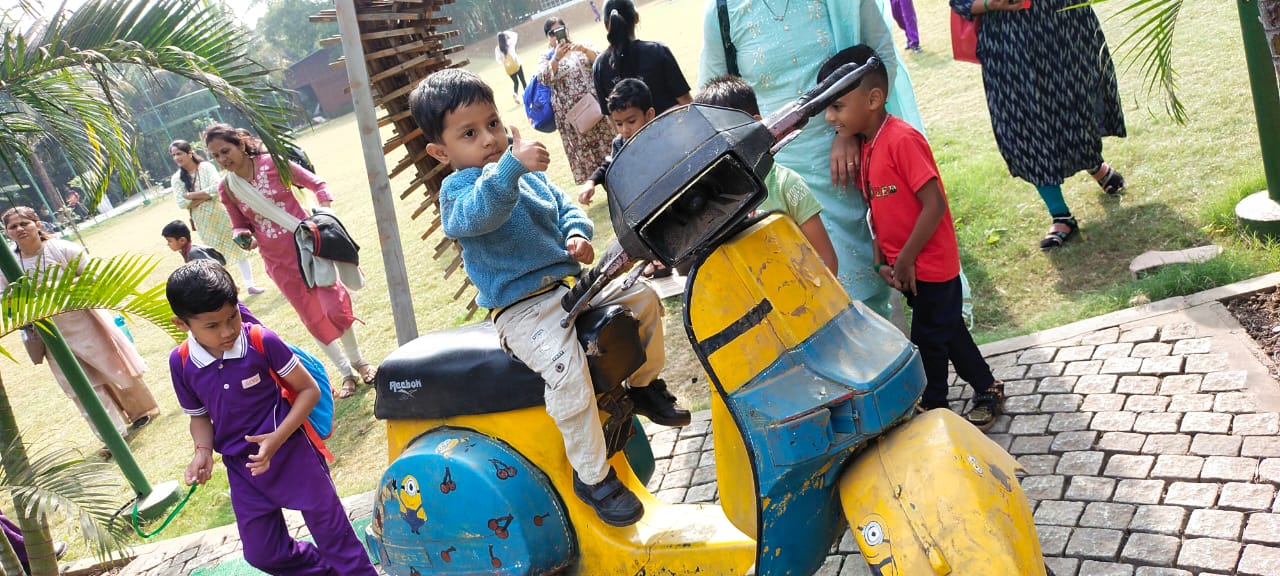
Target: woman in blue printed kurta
[
  {"x": 1051, "y": 90},
  {"x": 781, "y": 44}
]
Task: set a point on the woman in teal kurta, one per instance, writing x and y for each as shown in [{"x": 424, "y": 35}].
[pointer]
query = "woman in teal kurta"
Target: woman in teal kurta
[{"x": 781, "y": 44}]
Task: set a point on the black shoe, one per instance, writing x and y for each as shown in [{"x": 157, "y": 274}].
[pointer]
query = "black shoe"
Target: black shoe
[
  {"x": 59, "y": 549},
  {"x": 139, "y": 423},
  {"x": 613, "y": 502},
  {"x": 987, "y": 407},
  {"x": 655, "y": 403}
]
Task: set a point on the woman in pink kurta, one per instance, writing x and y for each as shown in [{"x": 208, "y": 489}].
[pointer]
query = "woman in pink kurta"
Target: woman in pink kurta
[{"x": 324, "y": 310}]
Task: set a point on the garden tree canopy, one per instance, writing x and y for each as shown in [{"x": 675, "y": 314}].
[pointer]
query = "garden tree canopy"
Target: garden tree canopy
[
  {"x": 57, "y": 84},
  {"x": 286, "y": 30}
]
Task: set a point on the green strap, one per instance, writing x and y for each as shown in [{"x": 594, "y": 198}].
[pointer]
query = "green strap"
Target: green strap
[
  {"x": 167, "y": 519},
  {"x": 730, "y": 51}
]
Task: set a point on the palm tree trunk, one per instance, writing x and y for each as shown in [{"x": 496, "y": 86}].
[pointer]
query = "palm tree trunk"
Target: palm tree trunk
[
  {"x": 1270, "y": 11},
  {"x": 50, "y": 192},
  {"x": 35, "y": 530}
]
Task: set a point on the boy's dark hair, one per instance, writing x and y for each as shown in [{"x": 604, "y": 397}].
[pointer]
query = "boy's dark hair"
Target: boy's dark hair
[
  {"x": 878, "y": 77},
  {"x": 199, "y": 286},
  {"x": 176, "y": 229},
  {"x": 729, "y": 91},
  {"x": 441, "y": 93},
  {"x": 630, "y": 93}
]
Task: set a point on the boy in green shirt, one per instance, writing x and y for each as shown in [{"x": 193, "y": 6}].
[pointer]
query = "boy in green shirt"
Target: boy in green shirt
[{"x": 788, "y": 192}]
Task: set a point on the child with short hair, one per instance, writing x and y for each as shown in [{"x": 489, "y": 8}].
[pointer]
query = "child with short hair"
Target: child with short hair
[
  {"x": 521, "y": 237},
  {"x": 178, "y": 236},
  {"x": 630, "y": 108},
  {"x": 788, "y": 192},
  {"x": 916, "y": 248},
  {"x": 227, "y": 387}
]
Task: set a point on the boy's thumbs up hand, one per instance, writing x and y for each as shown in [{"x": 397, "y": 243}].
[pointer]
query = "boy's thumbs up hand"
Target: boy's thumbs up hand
[{"x": 531, "y": 153}]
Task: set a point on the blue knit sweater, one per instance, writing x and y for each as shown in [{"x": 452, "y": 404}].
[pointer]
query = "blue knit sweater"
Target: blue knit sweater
[{"x": 513, "y": 225}]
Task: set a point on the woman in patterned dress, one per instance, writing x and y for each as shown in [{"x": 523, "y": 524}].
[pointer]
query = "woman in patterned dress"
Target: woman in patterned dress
[
  {"x": 324, "y": 310},
  {"x": 567, "y": 71},
  {"x": 1051, "y": 90},
  {"x": 194, "y": 185}
]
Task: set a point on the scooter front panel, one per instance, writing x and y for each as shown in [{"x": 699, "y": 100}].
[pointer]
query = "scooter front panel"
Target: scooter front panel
[
  {"x": 458, "y": 502},
  {"x": 837, "y": 375},
  {"x": 935, "y": 496}
]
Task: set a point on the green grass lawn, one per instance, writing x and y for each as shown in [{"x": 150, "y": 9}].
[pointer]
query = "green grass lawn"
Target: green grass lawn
[{"x": 1183, "y": 184}]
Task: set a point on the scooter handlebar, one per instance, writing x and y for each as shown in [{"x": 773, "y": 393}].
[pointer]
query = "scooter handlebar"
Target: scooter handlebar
[{"x": 796, "y": 114}]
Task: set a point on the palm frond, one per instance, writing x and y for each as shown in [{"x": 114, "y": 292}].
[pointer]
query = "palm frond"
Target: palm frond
[
  {"x": 112, "y": 284},
  {"x": 82, "y": 50},
  {"x": 1150, "y": 47},
  {"x": 59, "y": 481}
]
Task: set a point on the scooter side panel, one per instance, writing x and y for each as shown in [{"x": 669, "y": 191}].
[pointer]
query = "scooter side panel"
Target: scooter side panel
[
  {"x": 674, "y": 540},
  {"x": 459, "y": 502},
  {"x": 768, "y": 271},
  {"x": 936, "y": 496}
]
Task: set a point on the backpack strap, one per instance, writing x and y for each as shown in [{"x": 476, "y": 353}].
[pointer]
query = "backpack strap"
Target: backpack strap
[
  {"x": 730, "y": 51},
  {"x": 255, "y": 340}
]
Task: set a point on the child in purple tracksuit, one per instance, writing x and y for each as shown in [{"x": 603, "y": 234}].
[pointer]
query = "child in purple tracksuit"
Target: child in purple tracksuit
[{"x": 225, "y": 385}]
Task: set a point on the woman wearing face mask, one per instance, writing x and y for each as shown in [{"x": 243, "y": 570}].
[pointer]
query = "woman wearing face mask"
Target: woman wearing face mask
[
  {"x": 265, "y": 213},
  {"x": 109, "y": 360}
]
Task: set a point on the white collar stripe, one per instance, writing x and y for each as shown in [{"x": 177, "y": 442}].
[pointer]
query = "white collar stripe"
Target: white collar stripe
[{"x": 202, "y": 358}]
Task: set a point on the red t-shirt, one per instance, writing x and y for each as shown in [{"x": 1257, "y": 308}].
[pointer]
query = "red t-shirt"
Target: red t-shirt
[{"x": 895, "y": 165}]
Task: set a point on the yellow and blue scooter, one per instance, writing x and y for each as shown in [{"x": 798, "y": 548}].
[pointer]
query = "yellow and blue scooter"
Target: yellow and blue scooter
[{"x": 811, "y": 405}]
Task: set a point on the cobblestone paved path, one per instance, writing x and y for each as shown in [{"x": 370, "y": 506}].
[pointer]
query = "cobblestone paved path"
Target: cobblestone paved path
[{"x": 1150, "y": 439}]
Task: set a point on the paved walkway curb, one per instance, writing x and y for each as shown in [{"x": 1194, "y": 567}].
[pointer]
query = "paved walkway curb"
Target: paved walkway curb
[{"x": 1150, "y": 438}]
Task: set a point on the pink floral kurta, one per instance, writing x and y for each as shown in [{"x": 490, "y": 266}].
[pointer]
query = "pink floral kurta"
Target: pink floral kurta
[{"x": 324, "y": 310}]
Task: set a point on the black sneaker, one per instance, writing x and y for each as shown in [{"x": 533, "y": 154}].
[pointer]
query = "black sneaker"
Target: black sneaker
[
  {"x": 139, "y": 423},
  {"x": 613, "y": 502},
  {"x": 656, "y": 403}
]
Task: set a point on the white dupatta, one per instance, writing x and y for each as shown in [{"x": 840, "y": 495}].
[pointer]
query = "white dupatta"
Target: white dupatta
[
  {"x": 316, "y": 270},
  {"x": 258, "y": 202}
]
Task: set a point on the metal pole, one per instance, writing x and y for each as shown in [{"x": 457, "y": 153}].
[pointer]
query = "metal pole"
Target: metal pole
[
  {"x": 375, "y": 165},
  {"x": 1260, "y": 212}
]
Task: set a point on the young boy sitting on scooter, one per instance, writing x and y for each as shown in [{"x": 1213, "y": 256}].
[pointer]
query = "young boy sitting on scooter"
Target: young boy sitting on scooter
[
  {"x": 521, "y": 237},
  {"x": 915, "y": 240}
]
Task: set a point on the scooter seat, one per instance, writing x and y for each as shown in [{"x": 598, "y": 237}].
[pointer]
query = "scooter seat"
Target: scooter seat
[{"x": 465, "y": 370}]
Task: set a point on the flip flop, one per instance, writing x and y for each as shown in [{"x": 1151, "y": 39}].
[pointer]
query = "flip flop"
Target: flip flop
[
  {"x": 368, "y": 372},
  {"x": 348, "y": 389}
]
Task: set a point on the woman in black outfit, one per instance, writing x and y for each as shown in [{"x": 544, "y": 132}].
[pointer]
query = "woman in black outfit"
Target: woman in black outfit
[{"x": 627, "y": 57}]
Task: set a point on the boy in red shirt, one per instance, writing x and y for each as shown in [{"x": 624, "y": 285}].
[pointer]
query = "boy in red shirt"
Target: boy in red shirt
[{"x": 916, "y": 248}]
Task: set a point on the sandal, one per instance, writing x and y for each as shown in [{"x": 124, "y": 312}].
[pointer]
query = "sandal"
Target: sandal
[
  {"x": 349, "y": 385},
  {"x": 986, "y": 407},
  {"x": 1064, "y": 227},
  {"x": 1112, "y": 182},
  {"x": 368, "y": 372}
]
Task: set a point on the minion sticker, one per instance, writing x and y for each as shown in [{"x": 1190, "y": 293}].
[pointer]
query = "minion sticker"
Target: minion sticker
[
  {"x": 410, "y": 497},
  {"x": 877, "y": 550}
]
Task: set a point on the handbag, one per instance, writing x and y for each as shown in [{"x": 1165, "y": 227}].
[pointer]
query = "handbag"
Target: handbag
[
  {"x": 584, "y": 114},
  {"x": 33, "y": 344},
  {"x": 964, "y": 38}
]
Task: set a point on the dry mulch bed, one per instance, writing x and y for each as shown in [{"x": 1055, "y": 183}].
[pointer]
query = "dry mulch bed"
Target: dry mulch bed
[{"x": 1259, "y": 313}]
